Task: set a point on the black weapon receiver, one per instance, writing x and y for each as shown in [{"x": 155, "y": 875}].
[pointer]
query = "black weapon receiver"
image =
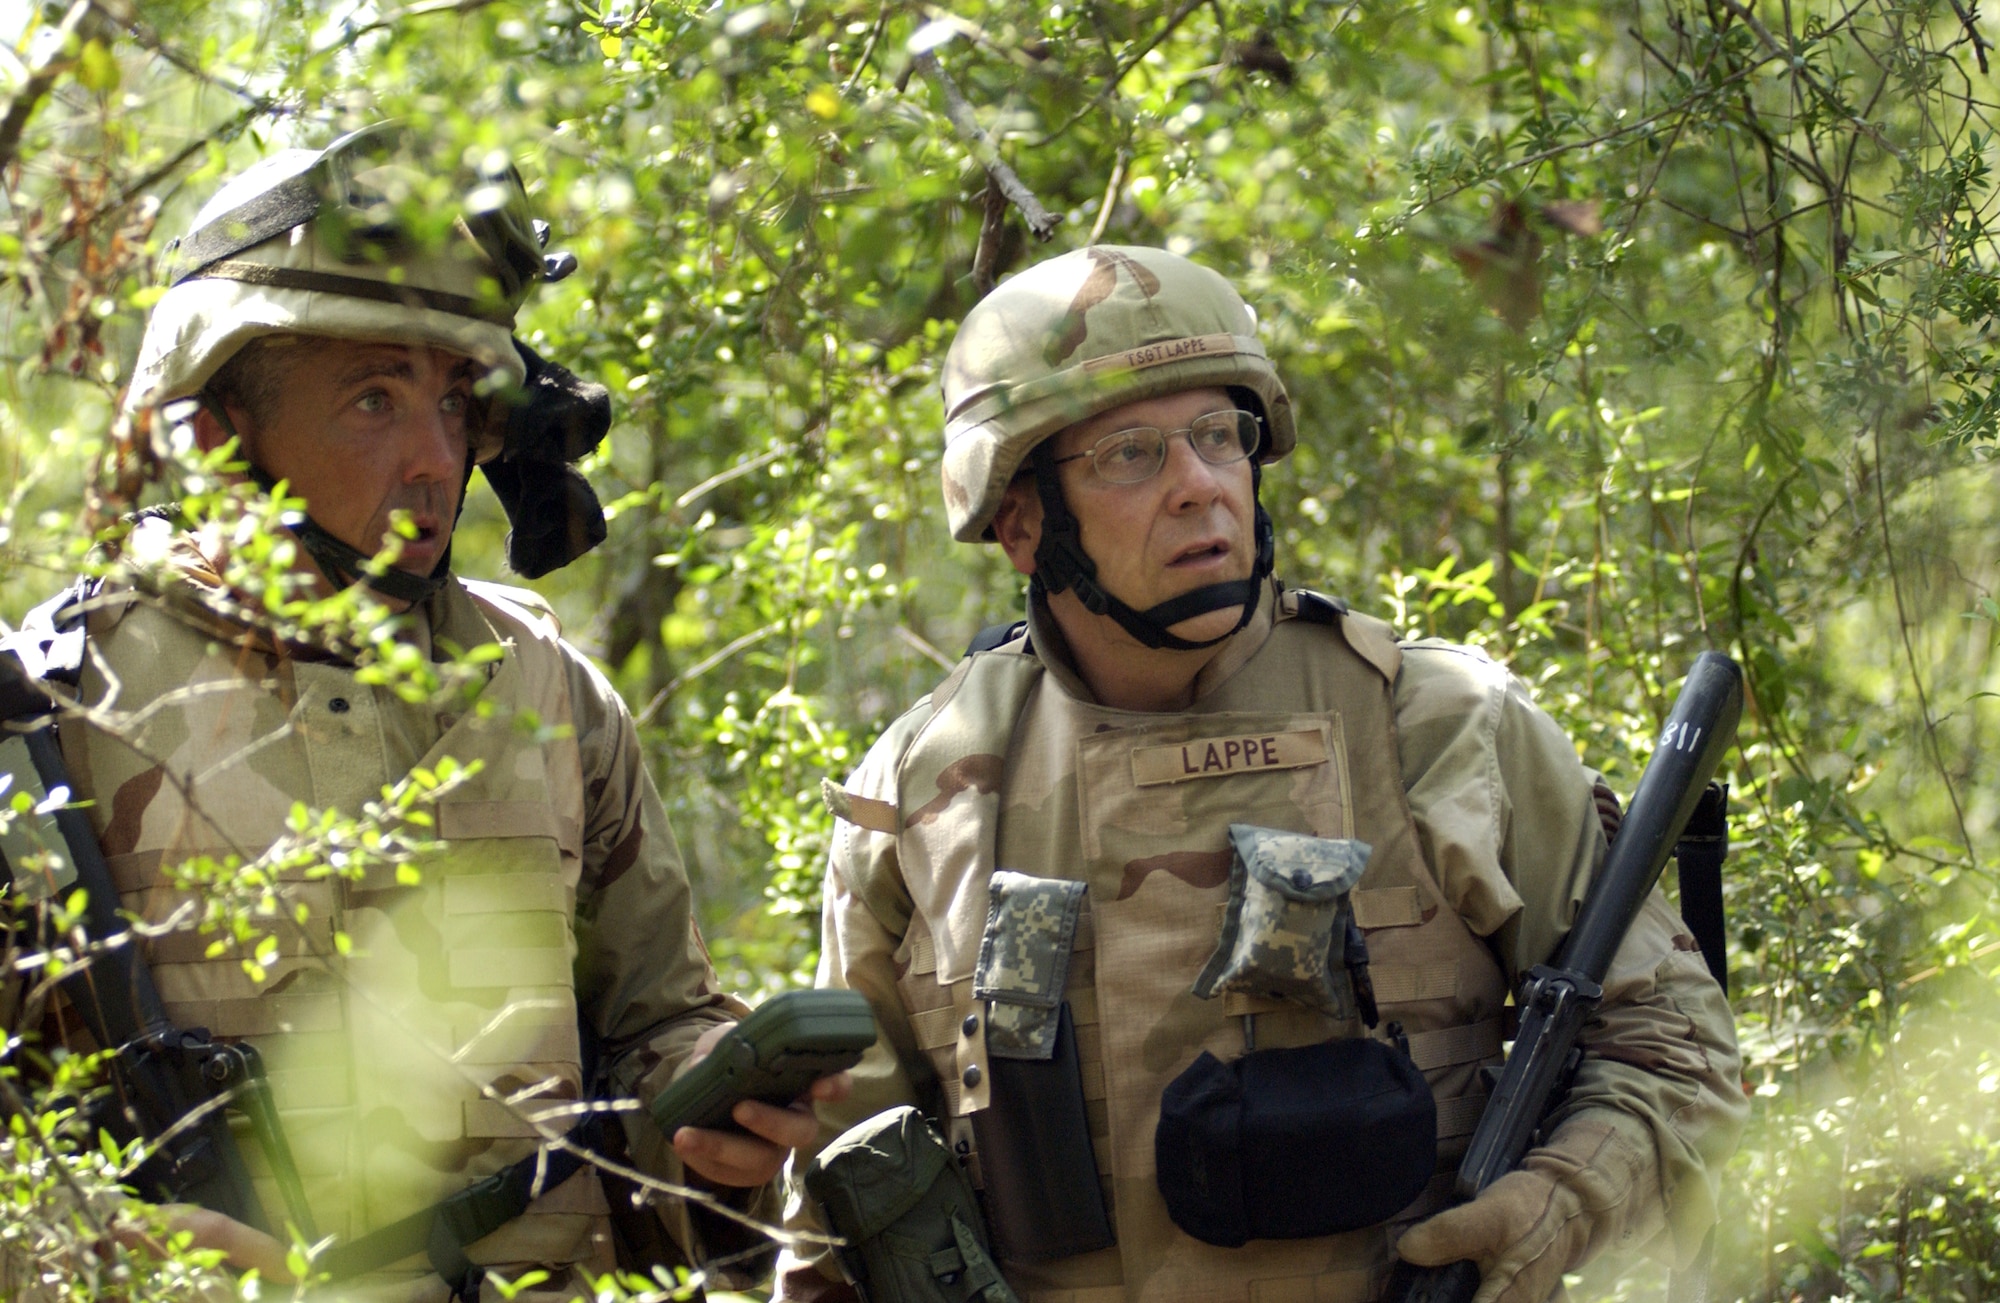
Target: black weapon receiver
[
  {"x": 1558, "y": 997},
  {"x": 169, "y": 1085}
]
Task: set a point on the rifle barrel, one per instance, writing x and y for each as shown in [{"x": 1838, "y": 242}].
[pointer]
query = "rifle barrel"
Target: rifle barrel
[{"x": 1698, "y": 731}]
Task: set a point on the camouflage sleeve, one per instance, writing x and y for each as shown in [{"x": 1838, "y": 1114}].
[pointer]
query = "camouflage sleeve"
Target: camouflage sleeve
[
  {"x": 1511, "y": 827},
  {"x": 863, "y": 922},
  {"x": 647, "y": 998}
]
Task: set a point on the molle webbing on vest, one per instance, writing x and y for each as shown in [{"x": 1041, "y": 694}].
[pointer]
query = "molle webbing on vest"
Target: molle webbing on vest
[
  {"x": 452, "y": 1023},
  {"x": 948, "y": 791}
]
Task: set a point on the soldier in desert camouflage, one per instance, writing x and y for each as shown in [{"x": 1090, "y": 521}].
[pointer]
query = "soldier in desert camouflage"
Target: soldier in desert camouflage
[
  {"x": 450, "y": 1041},
  {"x": 1168, "y": 713}
]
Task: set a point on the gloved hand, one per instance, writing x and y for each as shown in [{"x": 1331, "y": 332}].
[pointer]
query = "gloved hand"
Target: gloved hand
[{"x": 1595, "y": 1183}]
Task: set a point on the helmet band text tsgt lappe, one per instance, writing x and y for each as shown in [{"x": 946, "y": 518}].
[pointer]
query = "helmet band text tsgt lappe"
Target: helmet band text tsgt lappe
[{"x": 1132, "y": 359}]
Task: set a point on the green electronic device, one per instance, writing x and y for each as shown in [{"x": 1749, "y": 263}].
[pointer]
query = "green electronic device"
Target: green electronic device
[{"x": 790, "y": 1041}]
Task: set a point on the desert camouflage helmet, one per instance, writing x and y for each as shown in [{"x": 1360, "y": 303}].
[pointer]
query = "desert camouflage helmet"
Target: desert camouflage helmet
[
  {"x": 310, "y": 243},
  {"x": 1078, "y": 335}
]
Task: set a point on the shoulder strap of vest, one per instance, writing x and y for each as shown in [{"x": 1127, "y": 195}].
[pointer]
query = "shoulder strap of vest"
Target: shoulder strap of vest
[
  {"x": 49, "y": 643},
  {"x": 994, "y": 636},
  {"x": 524, "y": 604},
  {"x": 1373, "y": 640},
  {"x": 956, "y": 763}
]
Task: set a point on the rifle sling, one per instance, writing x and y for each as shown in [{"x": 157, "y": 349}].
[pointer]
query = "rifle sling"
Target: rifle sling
[{"x": 1699, "y": 854}]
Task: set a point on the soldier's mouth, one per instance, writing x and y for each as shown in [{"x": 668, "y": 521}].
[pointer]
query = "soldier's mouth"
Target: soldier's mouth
[{"x": 1204, "y": 552}]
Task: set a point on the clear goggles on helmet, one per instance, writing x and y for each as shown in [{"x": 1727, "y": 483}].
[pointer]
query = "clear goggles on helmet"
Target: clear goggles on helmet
[
  {"x": 361, "y": 193},
  {"x": 1130, "y": 456}
]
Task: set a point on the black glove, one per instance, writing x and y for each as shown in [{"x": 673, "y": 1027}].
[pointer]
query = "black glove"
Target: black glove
[{"x": 555, "y": 514}]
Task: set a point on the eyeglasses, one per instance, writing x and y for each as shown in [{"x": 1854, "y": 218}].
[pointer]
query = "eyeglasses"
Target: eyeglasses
[{"x": 1130, "y": 456}]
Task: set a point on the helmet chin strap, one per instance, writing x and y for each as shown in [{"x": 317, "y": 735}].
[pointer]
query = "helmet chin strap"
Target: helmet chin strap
[
  {"x": 342, "y": 563},
  {"x": 1061, "y": 563}
]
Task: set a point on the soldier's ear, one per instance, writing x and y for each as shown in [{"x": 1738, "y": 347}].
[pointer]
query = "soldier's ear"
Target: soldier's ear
[
  {"x": 1017, "y": 525},
  {"x": 213, "y": 428}
]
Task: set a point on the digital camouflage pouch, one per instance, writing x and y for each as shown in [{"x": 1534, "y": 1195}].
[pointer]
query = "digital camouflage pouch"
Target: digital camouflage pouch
[
  {"x": 1285, "y": 933},
  {"x": 1024, "y": 961}
]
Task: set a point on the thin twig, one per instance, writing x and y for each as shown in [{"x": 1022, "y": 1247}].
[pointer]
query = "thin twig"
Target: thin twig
[
  {"x": 720, "y": 478},
  {"x": 703, "y": 666},
  {"x": 1805, "y": 75},
  {"x": 925, "y": 648},
  {"x": 867, "y": 51},
  {"x": 424, "y": 10},
  {"x": 1130, "y": 62},
  {"x": 1111, "y": 191},
  {"x": 1909, "y": 647},
  {"x": 1040, "y": 221}
]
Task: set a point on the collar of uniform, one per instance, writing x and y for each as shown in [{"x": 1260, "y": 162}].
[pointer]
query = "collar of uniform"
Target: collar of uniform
[
  {"x": 454, "y": 624},
  {"x": 181, "y": 574},
  {"x": 1048, "y": 642}
]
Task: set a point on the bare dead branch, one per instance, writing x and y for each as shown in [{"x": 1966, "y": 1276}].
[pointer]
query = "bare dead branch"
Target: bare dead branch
[
  {"x": 992, "y": 226},
  {"x": 1040, "y": 220}
]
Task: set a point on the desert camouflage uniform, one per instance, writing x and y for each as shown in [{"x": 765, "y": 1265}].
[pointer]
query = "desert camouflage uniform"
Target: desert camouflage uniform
[
  {"x": 429, "y": 1056},
  {"x": 1484, "y": 836}
]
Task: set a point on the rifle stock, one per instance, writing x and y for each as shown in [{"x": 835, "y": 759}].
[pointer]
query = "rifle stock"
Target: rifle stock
[{"x": 1559, "y": 997}]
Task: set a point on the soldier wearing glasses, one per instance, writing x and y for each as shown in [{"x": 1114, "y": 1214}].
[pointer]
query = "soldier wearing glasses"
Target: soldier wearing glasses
[{"x": 1046, "y": 871}]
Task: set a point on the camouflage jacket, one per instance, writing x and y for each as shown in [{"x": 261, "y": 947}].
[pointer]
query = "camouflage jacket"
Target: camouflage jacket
[
  {"x": 442, "y": 1036},
  {"x": 1478, "y": 804}
]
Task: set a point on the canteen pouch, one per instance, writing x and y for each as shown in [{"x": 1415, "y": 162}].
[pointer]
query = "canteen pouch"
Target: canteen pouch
[
  {"x": 1285, "y": 932},
  {"x": 891, "y": 1189},
  {"x": 1043, "y": 1200},
  {"x": 1294, "y": 1143}
]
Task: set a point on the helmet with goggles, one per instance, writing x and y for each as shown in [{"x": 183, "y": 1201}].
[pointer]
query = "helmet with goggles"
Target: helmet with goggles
[
  {"x": 324, "y": 243},
  {"x": 1081, "y": 334},
  {"x": 350, "y": 242}
]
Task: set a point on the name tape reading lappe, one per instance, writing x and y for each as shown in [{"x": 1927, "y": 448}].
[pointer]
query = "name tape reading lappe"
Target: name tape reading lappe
[{"x": 1220, "y": 756}]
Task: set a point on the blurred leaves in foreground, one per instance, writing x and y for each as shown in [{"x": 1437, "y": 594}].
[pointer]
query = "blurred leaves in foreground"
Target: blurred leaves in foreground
[{"x": 1617, "y": 331}]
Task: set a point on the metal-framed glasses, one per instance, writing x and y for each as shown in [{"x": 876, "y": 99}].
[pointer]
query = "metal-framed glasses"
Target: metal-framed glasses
[{"x": 1129, "y": 456}]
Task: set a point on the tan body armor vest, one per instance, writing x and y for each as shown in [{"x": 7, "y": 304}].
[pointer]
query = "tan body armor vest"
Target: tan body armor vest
[
  {"x": 1301, "y": 738},
  {"x": 388, "y": 1064}
]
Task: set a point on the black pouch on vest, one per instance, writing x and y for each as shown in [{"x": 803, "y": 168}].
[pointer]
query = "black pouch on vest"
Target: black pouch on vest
[
  {"x": 1291, "y": 1144},
  {"x": 1042, "y": 1196}
]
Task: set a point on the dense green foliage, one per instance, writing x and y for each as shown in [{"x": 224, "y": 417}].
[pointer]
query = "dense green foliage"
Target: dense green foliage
[{"x": 1617, "y": 331}]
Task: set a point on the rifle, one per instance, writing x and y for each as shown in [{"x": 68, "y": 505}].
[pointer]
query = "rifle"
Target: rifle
[
  {"x": 169, "y": 1085},
  {"x": 1557, "y": 998}
]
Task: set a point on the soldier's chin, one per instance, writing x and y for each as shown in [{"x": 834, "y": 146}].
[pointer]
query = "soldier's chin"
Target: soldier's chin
[{"x": 1210, "y": 624}]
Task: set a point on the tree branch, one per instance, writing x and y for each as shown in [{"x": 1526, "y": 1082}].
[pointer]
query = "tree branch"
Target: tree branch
[
  {"x": 1967, "y": 19},
  {"x": 37, "y": 87},
  {"x": 1040, "y": 220},
  {"x": 1131, "y": 61}
]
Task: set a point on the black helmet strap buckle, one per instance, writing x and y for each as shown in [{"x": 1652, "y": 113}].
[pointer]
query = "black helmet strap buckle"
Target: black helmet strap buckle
[{"x": 1061, "y": 564}]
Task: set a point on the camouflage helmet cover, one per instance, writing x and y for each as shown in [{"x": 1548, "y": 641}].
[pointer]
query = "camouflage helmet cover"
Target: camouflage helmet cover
[
  {"x": 299, "y": 283},
  {"x": 1081, "y": 334}
]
